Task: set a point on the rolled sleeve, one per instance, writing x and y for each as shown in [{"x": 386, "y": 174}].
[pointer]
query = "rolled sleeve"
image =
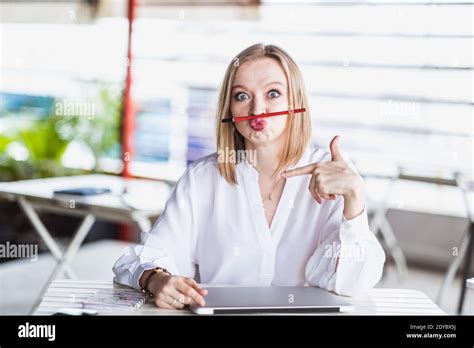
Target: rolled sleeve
[
  {"x": 170, "y": 243},
  {"x": 355, "y": 229},
  {"x": 349, "y": 260}
]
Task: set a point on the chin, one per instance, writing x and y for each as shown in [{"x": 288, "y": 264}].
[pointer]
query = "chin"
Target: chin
[{"x": 261, "y": 137}]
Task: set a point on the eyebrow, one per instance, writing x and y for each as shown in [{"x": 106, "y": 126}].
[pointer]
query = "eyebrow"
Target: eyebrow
[{"x": 270, "y": 83}]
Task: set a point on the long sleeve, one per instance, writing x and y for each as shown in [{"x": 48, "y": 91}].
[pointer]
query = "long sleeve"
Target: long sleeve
[
  {"x": 349, "y": 259},
  {"x": 170, "y": 243}
]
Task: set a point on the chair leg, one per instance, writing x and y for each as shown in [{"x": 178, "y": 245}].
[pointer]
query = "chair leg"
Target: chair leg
[
  {"x": 394, "y": 247},
  {"x": 467, "y": 267},
  {"x": 380, "y": 224},
  {"x": 452, "y": 269}
]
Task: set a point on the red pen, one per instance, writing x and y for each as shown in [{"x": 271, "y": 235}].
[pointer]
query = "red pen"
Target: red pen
[{"x": 270, "y": 114}]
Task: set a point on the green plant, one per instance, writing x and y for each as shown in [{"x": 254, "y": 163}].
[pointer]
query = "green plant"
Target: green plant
[
  {"x": 4, "y": 142},
  {"x": 100, "y": 131},
  {"x": 46, "y": 140},
  {"x": 43, "y": 141}
]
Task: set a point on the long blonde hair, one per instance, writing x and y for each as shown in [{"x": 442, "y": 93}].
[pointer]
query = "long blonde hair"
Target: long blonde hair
[{"x": 298, "y": 127}]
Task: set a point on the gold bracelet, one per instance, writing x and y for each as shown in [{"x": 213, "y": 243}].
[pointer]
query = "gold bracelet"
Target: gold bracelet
[{"x": 155, "y": 270}]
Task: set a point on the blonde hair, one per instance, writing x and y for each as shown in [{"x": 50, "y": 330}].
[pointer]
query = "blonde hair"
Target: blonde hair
[{"x": 298, "y": 127}]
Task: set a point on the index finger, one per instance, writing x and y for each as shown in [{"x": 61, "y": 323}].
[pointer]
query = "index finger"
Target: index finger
[
  {"x": 299, "y": 171},
  {"x": 195, "y": 285},
  {"x": 190, "y": 292}
]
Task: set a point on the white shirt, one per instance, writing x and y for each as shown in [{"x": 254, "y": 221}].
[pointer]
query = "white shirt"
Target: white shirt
[{"x": 222, "y": 228}]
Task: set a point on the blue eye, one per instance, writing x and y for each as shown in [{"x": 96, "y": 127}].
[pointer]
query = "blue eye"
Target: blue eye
[
  {"x": 241, "y": 96},
  {"x": 274, "y": 93}
]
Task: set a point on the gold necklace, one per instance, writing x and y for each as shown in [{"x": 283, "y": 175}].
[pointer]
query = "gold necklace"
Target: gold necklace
[{"x": 273, "y": 190}]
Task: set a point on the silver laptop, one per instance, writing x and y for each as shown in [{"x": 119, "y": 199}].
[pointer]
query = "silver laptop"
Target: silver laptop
[{"x": 270, "y": 299}]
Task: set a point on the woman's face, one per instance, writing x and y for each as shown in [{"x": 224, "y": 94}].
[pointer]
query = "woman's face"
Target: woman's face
[{"x": 260, "y": 86}]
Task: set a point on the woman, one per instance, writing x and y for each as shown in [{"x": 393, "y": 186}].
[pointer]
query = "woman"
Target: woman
[{"x": 283, "y": 215}]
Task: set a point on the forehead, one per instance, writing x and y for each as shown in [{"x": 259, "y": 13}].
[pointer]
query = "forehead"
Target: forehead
[{"x": 258, "y": 72}]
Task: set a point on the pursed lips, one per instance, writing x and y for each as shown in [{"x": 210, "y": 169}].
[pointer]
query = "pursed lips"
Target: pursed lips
[{"x": 258, "y": 123}]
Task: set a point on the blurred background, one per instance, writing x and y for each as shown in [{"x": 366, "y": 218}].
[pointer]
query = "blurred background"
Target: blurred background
[{"x": 393, "y": 78}]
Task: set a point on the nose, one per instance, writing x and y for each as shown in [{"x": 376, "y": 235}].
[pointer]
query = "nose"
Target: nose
[{"x": 258, "y": 107}]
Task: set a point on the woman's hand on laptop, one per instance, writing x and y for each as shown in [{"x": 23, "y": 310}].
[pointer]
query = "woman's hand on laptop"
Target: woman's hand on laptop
[{"x": 174, "y": 292}]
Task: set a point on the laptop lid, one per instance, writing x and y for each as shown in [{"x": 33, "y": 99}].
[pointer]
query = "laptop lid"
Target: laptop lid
[{"x": 270, "y": 299}]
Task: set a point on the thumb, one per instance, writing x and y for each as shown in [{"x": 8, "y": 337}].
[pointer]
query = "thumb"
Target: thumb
[{"x": 334, "y": 147}]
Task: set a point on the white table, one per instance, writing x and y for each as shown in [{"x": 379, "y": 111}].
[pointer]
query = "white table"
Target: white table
[
  {"x": 133, "y": 201},
  {"x": 377, "y": 302}
]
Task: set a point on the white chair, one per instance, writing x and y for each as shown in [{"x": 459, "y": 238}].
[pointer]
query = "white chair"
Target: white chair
[{"x": 379, "y": 224}]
